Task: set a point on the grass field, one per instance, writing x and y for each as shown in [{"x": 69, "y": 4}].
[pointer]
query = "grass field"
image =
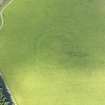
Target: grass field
[{"x": 52, "y": 52}]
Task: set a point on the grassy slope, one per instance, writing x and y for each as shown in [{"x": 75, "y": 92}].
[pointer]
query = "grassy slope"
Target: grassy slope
[{"x": 52, "y": 52}]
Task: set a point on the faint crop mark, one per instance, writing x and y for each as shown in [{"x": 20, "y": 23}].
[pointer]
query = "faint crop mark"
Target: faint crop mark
[{"x": 1, "y": 13}]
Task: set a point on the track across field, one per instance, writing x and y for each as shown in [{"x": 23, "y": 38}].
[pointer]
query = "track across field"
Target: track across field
[{"x": 1, "y": 13}]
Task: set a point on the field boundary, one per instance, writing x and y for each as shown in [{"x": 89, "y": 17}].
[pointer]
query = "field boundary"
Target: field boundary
[{"x": 1, "y": 13}]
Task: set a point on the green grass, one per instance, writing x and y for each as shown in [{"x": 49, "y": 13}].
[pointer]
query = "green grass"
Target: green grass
[{"x": 52, "y": 52}]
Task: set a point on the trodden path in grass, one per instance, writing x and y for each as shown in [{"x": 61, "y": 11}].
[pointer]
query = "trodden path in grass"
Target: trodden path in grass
[
  {"x": 1, "y": 13},
  {"x": 2, "y": 83}
]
